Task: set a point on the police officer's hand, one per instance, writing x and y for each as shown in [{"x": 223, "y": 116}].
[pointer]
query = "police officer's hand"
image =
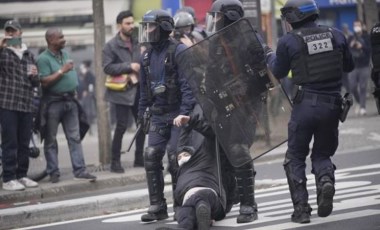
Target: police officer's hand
[
  {"x": 267, "y": 50},
  {"x": 181, "y": 120},
  {"x": 140, "y": 121}
]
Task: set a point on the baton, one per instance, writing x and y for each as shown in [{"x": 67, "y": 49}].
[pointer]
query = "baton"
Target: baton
[{"x": 134, "y": 137}]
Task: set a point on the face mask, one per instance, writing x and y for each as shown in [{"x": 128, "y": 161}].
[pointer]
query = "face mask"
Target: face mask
[
  {"x": 357, "y": 29},
  {"x": 183, "y": 160}
]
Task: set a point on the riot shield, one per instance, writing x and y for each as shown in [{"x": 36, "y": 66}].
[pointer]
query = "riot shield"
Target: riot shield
[{"x": 246, "y": 107}]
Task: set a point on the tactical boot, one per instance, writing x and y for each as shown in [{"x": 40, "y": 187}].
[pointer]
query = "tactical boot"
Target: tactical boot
[
  {"x": 203, "y": 215},
  {"x": 302, "y": 213},
  {"x": 155, "y": 212},
  {"x": 247, "y": 214},
  {"x": 325, "y": 195}
]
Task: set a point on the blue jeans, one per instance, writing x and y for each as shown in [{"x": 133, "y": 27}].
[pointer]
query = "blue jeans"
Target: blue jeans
[
  {"x": 358, "y": 80},
  {"x": 66, "y": 113},
  {"x": 16, "y": 130}
]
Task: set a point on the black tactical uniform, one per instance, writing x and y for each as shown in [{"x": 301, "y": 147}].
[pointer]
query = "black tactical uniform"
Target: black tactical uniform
[
  {"x": 165, "y": 94},
  {"x": 375, "y": 43},
  {"x": 317, "y": 56}
]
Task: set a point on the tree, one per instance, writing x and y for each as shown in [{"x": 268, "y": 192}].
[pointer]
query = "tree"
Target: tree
[{"x": 104, "y": 133}]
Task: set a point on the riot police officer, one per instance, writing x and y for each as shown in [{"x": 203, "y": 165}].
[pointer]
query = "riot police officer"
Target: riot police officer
[
  {"x": 317, "y": 56},
  {"x": 184, "y": 27},
  {"x": 375, "y": 43},
  {"x": 222, "y": 14},
  {"x": 165, "y": 94}
]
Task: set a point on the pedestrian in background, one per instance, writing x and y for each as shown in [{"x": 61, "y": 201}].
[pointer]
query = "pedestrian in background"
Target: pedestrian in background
[
  {"x": 317, "y": 104},
  {"x": 88, "y": 92},
  {"x": 358, "y": 79},
  {"x": 121, "y": 55},
  {"x": 165, "y": 94},
  {"x": 59, "y": 82},
  {"x": 18, "y": 76}
]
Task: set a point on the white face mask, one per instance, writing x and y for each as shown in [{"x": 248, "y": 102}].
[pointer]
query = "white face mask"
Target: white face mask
[
  {"x": 357, "y": 29},
  {"x": 183, "y": 160}
]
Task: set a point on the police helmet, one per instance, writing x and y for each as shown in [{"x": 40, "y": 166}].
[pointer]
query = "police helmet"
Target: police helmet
[
  {"x": 295, "y": 11},
  {"x": 156, "y": 25},
  {"x": 223, "y": 13},
  {"x": 189, "y": 10},
  {"x": 182, "y": 19}
]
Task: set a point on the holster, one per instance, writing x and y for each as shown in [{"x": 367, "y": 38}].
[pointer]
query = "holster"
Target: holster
[
  {"x": 298, "y": 96},
  {"x": 347, "y": 102}
]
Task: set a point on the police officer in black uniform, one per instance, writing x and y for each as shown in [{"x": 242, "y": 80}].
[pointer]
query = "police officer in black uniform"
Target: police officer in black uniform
[
  {"x": 222, "y": 14},
  {"x": 375, "y": 43},
  {"x": 317, "y": 56},
  {"x": 165, "y": 94},
  {"x": 184, "y": 27}
]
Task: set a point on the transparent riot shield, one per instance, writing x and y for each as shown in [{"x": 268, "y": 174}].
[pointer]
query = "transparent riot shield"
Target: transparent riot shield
[{"x": 246, "y": 107}]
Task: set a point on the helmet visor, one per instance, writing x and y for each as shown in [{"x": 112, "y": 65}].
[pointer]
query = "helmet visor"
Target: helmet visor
[
  {"x": 149, "y": 32},
  {"x": 214, "y": 21}
]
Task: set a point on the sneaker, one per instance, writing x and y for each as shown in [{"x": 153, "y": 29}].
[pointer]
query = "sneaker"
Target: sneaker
[
  {"x": 203, "y": 214},
  {"x": 357, "y": 109},
  {"x": 85, "y": 176},
  {"x": 13, "y": 185},
  {"x": 28, "y": 183},
  {"x": 362, "y": 112}
]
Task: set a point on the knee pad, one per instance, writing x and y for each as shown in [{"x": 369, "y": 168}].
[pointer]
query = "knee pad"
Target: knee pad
[{"x": 153, "y": 158}]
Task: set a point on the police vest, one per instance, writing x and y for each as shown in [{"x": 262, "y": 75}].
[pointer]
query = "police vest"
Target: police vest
[
  {"x": 375, "y": 42},
  {"x": 319, "y": 60},
  {"x": 172, "y": 91}
]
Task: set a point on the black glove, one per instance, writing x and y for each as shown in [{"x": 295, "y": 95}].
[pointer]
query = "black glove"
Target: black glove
[
  {"x": 140, "y": 121},
  {"x": 267, "y": 50}
]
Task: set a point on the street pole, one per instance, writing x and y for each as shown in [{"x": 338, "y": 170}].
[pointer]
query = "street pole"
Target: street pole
[
  {"x": 368, "y": 12},
  {"x": 252, "y": 11},
  {"x": 104, "y": 133}
]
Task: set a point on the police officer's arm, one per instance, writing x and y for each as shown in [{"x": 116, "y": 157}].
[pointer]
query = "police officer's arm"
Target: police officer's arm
[
  {"x": 194, "y": 122},
  {"x": 143, "y": 101},
  {"x": 188, "y": 100},
  {"x": 112, "y": 68},
  {"x": 279, "y": 62}
]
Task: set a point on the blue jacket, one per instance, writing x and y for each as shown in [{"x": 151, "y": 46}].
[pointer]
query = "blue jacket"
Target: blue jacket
[{"x": 157, "y": 70}]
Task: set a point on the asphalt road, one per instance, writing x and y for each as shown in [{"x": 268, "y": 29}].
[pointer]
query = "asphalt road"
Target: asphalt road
[{"x": 356, "y": 203}]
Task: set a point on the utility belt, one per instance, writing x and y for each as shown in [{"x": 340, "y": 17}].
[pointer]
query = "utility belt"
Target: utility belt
[
  {"x": 344, "y": 102},
  {"x": 316, "y": 98},
  {"x": 155, "y": 110}
]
